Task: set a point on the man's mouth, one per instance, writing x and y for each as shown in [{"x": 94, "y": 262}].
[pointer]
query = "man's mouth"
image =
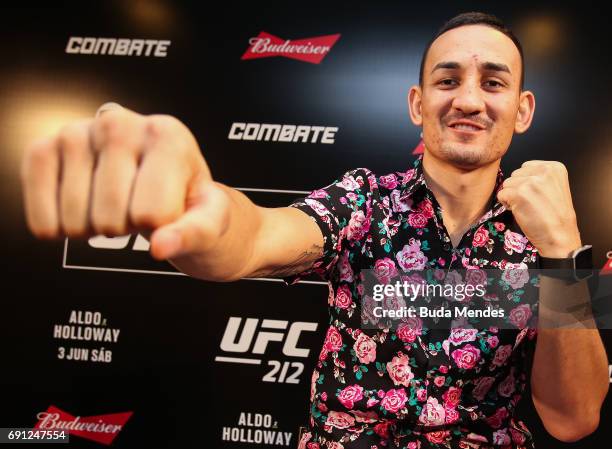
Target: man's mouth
[{"x": 465, "y": 128}]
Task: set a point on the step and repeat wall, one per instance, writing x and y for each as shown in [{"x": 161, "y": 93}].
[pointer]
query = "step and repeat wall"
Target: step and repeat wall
[{"x": 283, "y": 98}]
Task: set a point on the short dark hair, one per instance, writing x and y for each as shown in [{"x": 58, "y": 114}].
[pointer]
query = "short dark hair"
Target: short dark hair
[{"x": 475, "y": 18}]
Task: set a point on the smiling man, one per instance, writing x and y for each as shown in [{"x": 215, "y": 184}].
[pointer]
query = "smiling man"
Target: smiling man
[{"x": 453, "y": 210}]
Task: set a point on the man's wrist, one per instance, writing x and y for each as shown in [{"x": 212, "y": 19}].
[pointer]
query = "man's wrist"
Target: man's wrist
[{"x": 561, "y": 250}]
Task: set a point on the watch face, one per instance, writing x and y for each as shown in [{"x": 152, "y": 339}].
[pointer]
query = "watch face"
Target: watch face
[{"x": 584, "y": 259}]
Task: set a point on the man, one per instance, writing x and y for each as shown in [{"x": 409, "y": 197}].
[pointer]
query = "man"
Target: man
[{"x": 409, "y": 387}]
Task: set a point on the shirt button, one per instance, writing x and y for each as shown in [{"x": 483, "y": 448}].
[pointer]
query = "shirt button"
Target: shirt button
[{"x": 446, "y": 247}]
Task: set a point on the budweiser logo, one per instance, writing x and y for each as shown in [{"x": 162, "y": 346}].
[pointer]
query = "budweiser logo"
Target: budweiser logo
[
  {"x": 99, "y": 428},
  {"x": 312, "y": 49}
]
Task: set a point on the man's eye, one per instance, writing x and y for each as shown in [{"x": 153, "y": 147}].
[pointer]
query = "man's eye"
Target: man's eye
[
  {"x": 497, "y": 83},
  {"x": 447, "y": 82}
]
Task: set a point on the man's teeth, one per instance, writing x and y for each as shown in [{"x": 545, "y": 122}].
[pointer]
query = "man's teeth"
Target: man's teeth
[{"x": 466, "y": 127}]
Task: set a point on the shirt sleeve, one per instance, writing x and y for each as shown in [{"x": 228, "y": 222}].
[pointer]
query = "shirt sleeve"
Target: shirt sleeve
[{"x": 342, "y": 205}]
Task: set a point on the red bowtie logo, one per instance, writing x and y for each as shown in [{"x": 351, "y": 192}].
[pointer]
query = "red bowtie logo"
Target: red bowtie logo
[
  {"x": 99, "y": 428},
  {"x": 312, "y": 49}
]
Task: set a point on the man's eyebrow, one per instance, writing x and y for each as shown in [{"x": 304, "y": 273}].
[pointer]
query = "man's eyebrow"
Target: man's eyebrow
[{"x": 485, "y": 66}]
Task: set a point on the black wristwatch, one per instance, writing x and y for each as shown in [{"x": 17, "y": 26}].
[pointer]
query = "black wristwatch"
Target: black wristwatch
[{"x": 576, "y": 268}]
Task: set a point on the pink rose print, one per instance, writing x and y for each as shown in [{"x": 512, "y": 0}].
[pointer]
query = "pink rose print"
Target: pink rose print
[
  {"x": 519, "y": 338},
  {"x": 451, "y": 415},
  {"x": 306, "y": 436},
  {"x": 439, "y": 381},
  {"x": 411, "y": 257},
  {"x": 408, "y": 330},
  {"x": 476, "y": 276},
  {"x": 382, "y": 429},
  {"x": 517, "y": 437},
  {"x": 499, "y": 226},
  {"x": 319, "y": 193},
  {"x": 313, "y": 384},
  {"x": 323, "y": 354},
  {"x": 372, "y": 402},
  {"x": 385, "y": 269},
  {"x": 417, "y": 220},
  {"x": 492, "y": 341},
  {"x": 501, "y": 437},
  {"x": 348, "y": 183},
  {"x": 317, "y": 206},
  {"x": 506, "y": 387},
  {"x": 481, "y": 237},
  {"x": 501, "y": 355},
  {"x": 365, "y": 417},
  {"x": 343, "y": 297},
  {"x": 482, "y": 386},
  {"x": 367, "y": 311},
  {"x": 358, "y": 226},
  {"x": 388, "y": 181},
  {"x": 394, "y": 400},
  {"x": 437, "y": 436},
  {"x": 351, "y": 196},
  {"x": 344, "y": 267},
  {"x": 460, "y": 335},
  {"x": 517, "y": 275},
  {"x": 451, "y": 397},
  {"x": 398, "y": 204},
  {"x": 421, "y": 394},
  {"x": 333, "y": 340},
  {"x": 399, "y": 370},
  {"x": 433, "y": 413},
  {"x": 513, "y": 241},
  {"x": 365, "y": 349},
  {"x": 520, "y": 315},
  {"x": 408, "y": 175},
  {"x": 426, "y": 208},
  {"x": 466, "y": 357},
  {"x": 349, "y": 395},
  {"x": 496, "y": 420},
  {"x": 339, "y": 420}
]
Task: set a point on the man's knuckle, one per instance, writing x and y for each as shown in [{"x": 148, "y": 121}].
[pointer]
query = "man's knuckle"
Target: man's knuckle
[
  {"x": 111, "y": 126},
  {"x": 159, "y": 125},
  {"x": 39, "y": 153}
]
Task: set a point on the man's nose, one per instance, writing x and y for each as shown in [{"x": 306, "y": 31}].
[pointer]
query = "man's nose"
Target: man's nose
[{"x": 469, "y": 98}]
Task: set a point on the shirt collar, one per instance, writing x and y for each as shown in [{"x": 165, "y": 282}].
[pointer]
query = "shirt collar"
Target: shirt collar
[{"x": 414, "y": 180}]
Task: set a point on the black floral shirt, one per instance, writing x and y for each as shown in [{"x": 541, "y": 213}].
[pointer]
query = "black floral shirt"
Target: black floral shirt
[{"x": 412, "y": 385}]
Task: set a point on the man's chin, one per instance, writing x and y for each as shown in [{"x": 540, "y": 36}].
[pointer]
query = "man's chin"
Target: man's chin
[{"x": 465, "y": 157}]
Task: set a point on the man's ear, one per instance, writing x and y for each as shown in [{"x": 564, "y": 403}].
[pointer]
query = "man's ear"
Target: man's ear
[
  {"x": 414, "y": 105},
  {"x": 526, "y": 109}
]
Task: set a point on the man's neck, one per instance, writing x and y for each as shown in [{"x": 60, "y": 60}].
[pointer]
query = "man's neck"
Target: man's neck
[{"x": 463, "y": 195}]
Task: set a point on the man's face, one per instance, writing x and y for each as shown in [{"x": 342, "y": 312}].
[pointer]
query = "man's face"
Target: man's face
[{"x": 471, "y": 74}]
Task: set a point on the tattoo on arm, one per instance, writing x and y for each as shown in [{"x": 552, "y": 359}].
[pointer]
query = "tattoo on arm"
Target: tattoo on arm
[{"x": 301, "y": 263}]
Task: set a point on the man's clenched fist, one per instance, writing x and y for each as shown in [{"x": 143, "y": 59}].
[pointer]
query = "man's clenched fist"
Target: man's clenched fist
[
  {"x": 538, "y": 194},
  {"x": 120, "y": 173}
]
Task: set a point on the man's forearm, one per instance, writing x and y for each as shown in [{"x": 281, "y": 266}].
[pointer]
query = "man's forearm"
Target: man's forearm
[
  {"x": 229, "y": 256},
  {"x": 569, "y": 374}
]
